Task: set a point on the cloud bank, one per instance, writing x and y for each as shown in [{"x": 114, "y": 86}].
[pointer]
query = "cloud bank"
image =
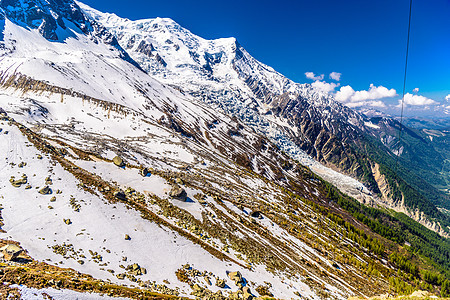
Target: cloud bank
[
  {"x": 375, "y": 96},
  {"x": 417, "y": 100},
  {"x": 370, "y": 97}
]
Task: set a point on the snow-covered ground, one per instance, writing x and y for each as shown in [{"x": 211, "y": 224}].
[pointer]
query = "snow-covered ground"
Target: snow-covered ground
[
  {"x": 38, "y": 223},
  {"x": 43, "y": 294}
]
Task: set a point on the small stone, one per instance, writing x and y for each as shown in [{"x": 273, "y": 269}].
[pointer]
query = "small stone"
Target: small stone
[
  {"x": 127, "y": 237},
  {"x": 67, "y": 221},
  {"x": 53, "y": 199},
  {"x": 256, "y": 214}
]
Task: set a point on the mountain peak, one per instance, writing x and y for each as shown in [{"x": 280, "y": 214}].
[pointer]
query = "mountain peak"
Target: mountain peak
[{"x": 46, "y": 16}]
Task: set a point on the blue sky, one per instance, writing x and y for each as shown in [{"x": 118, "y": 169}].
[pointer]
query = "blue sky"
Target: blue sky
[{"x": 362, "y": 40}]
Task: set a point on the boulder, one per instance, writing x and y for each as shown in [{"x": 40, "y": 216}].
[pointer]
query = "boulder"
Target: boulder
[
  {"x": 118, "y": 161},
  {"x": 220, "y": 283},
  {"x": 144, "y": 172},
  {"x": 10, "y": 251},
  {"x": 256, "y": 214},
  {"x": 127, "y": 237},
  {"x": 136, "y": 270},
  {"x": 120, "y": 195},
  {"x": 46, "y": 190},
  {"x": 247, "y": 296},
  {"x": 18, "y": 183},
  {"x": 48, "y": 180},
  {"x": 178, "y": 192},
  {"x": 235, "y": 276}
]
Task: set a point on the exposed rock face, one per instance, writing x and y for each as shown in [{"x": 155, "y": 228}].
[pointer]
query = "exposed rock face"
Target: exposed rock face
[
  {"x": 46, "y": 16},
  {"x": 144, "y": 48},
  {"x": 388, "y": 200}
]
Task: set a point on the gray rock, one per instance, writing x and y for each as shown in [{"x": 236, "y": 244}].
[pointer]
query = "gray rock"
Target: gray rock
[
  {"x": 178, "y": 193},
  {"x": 120, "y": 195},
  {"x": 46, "y": 190},
  {"x": 10, "y": 251},
  {"x": 144, "y": 172},
  {"x": 118, "y": 161}
]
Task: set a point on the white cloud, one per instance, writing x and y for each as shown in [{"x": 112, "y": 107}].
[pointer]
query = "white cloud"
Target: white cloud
[
  {"x": 335, "y": 76},
  {"x": 345, "y": 93},
  {"x": 311, "y": 75},
  {"x": 417, "y": 100},
  {"x": 416, "y": 90},
  {"x": 447, "y": 98},
  {"x": 374, "y": 103},
  {"x": 348, "y": 94},
  {"x": 325, "y": 86}
]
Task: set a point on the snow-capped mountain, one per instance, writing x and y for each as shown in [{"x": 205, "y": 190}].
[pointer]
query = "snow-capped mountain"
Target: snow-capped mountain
[
  {"x": 306, "y": 123},
  {"x": 175, "y": 169},
  {"x": 56, "y": 21},
  {"x": 224, "y": 75},
  {"x": 214, "y": 196}
]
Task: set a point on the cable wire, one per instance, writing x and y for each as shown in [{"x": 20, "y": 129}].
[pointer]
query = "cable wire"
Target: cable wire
[{"x": 404, "y": 85}]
